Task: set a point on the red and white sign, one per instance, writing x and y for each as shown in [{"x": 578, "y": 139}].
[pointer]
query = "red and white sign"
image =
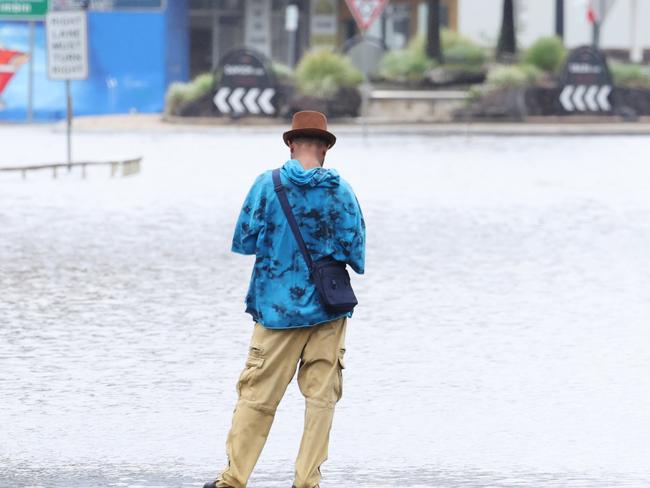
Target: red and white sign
[
  {"x": 592, "y": 16},
  {"x": 365, "y": 12},
  {"x": 10, "y": 61}
]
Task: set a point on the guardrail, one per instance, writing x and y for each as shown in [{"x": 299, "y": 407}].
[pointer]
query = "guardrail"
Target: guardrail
[{"x": 128, "y": 166}]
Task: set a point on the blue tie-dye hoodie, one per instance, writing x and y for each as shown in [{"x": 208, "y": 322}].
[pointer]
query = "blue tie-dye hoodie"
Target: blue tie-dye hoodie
[{"x": 281, "y": 293}]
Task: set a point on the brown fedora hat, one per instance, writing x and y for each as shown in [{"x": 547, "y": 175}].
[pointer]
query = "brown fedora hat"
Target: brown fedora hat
[{"x": 309, "y": 124}]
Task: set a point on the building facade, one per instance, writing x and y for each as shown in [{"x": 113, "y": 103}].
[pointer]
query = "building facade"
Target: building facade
[
  {"x": 138, "y": 47},
  {"x": 624, "y": 27}
]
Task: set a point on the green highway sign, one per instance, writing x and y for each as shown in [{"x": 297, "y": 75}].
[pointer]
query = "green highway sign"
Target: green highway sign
[{"x": 23, "y": 9}]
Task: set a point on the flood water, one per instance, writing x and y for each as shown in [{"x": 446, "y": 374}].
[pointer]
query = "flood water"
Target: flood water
[{"x": 503, "y": 336}]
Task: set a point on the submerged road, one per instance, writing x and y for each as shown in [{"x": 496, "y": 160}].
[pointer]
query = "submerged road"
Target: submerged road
[{"x": 501, "y": 341}]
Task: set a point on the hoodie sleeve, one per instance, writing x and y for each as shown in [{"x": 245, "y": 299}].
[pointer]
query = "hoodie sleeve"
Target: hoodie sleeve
[
  {"x": 351, "y": 237},
  {"x": 251, "y": 219},
  {"x": 358, "y": 247}
]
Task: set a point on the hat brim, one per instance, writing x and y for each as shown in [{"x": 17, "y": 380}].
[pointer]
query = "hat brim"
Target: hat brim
[{"x": 328, "y": 137}]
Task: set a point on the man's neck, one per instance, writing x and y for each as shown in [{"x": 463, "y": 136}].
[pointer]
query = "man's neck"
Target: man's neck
[{"x": 308, "y": 163}]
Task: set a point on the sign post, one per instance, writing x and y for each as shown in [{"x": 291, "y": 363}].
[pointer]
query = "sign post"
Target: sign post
[
  {"x": 31, "y": 11},
  {"x": 67, "y": 55},
  {"x": 292, "y": 15},
  {"x": 365, "y": 12}
]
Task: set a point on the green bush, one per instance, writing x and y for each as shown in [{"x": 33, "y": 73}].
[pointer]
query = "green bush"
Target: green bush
[
  {"x": 409, "y": 64},
  {"x": 509, "y": 76},
  {"x": 181, "y": 93},
  {"x": 465, "y": 55},
  {"x": 412, "y": 63},
  {"x": 546, "y": 54},
  {"x": 459, "y": 50},
  {"x": 630, "y": 75},
  {"x": 322, "y": 73}
]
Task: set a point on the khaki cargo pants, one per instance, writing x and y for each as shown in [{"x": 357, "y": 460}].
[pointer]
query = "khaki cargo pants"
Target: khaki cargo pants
[{"x": 270, "y": 366}]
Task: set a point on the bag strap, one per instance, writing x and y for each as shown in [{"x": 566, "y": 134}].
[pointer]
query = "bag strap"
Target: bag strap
[{"x": 284, "y": 202}]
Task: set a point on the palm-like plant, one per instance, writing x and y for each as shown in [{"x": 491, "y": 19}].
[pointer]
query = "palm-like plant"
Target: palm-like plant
[
  {"x": 507, "y": 46},
  {"x": 434, "y": 46}
]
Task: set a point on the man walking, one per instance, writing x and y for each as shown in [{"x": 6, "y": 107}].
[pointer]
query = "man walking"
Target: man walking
[{"x": 294, "y": 326}]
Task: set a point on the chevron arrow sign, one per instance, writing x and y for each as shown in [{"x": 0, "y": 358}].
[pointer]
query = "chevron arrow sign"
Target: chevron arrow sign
[
  {"x": 246, "y": 85},
  {"x": 241, "y": 101},
  {"x": 586, "y": 98}
]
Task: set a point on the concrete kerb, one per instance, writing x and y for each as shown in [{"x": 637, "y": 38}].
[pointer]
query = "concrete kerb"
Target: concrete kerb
[{"x": 157, "y": 123}]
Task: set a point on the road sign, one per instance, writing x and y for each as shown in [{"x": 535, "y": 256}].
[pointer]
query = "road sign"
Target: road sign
[
  {"x": 68, "y": 5},
  {"x": 586, "y": 82},
  {"x": 141, "y": 5},
  {"x": 67, "y": 45},
  {"x": 257, "y": 25},
  {"x": 10, "y": 61},
  {"x": 583, "y": 98},
  {"x": 365, "y": 12},
  {"x": 23, "y": 9},
  {"x": 246, "y": 85}
]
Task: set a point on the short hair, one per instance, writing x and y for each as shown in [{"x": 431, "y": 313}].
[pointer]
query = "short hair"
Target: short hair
[{"x": 309, "y": 140}]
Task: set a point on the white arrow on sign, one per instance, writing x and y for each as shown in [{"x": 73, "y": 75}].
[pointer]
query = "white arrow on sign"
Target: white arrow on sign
[
  {"x": 220, "y": 100},
  {"x": 577, "y": 98},
  {"x": 241, "y": 100},
  {"x": 265, "y": 101},
  {"x": 249, "y": 100},
  {"x": 235, "y": 99},
  {"x": 603, "y": 98},
  {"x": 583, "y": 98},
  {"x": 565, "y": 98},
  {"x": 590, "y": 98}
]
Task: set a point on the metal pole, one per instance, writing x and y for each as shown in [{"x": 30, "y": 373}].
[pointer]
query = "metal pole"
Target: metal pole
[
  {"x": 636, "y": 53},
  {"x": 596, "y": 32},
  {"x": 559, "y": 18},
  {"x": 365, "y": 95},
  {"x": 68, "y": 97},
  {"x": 600, "y": 18},
  {"x": 292, "y": 47},
  {"x": 30, "y": 82}
]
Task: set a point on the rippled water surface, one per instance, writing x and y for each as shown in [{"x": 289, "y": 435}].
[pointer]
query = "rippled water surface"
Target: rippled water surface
[{"x": 502, "y": 341}]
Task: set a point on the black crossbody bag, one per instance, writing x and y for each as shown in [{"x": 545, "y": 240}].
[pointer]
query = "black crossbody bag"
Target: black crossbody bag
[{"x": 330, "y": 276}]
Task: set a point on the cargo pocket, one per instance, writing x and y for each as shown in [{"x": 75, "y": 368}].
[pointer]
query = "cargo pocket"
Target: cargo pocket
[
  {"x": 254, "y": 362},
  {"x": 340, "y": 368}
]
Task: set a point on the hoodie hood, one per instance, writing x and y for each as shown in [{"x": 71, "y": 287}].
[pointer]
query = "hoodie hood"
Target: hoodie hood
[{"x": 325, "y": 178}]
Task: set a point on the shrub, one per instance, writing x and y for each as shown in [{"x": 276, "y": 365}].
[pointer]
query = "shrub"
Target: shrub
[
  {"x": 630, "y": 75},
  {"x": 465, "y": 55},
  {"x": 409, "y": 64},
  {"x": 181, "y": 93},
  {"x": 459, "y": 50},
  {"x": 509, "y": 76},
  {"x": 322, "y": 73},
  {"x": 547, "y": 54}
]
